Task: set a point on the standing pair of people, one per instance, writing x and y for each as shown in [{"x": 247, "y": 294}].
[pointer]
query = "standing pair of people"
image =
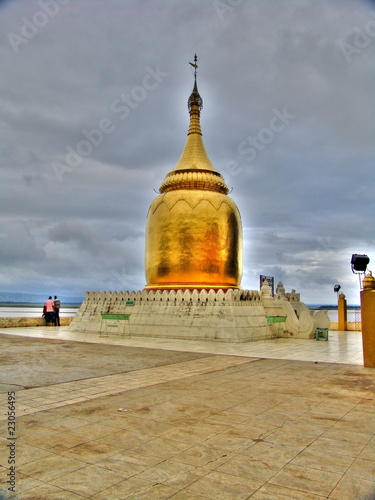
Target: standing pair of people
[{"x": 51, "y": 311}]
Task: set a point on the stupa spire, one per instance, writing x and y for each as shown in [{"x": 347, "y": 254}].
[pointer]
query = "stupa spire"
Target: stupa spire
[
  {"x": 194, "y": 168},
  {"x": 195, "y": 103}
]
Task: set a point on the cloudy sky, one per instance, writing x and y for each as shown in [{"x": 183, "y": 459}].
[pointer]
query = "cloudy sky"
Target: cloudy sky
[{"x": 93, "y": 115}]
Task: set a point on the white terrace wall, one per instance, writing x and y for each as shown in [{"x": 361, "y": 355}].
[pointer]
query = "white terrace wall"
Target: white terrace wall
[{"x": 234, "y": 316}]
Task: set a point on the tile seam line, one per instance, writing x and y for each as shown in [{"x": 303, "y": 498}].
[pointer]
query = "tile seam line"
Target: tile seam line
[
  {"x": 145, "y": 370},
  {"x": 92, "y": 341},
  {"x": 143, "y": 384}
]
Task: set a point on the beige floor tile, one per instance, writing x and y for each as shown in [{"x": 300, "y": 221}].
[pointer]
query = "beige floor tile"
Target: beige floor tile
[
  {"x": 170, "y": 473},
  {"x": 309, "y": 426},
  {"x": 88, "y": 416},
  {"x": 23, "y": 483},
  {"x": 124, "y": 439},
  {"x": 245, "y": 466},
  {"x": 321, "y": 419},
  {"x": 135, "y": 488},
  {"x": 63, "y": 424},
  {"x": 163, "y": 447},
  {"x": 51, "y": 467},
  {"x": 246, "y": 409},
  {"x": 228, "y": 441},
  {"x": 362, "y": 468},
  {"x": 203, "y": 456},
  {"x": 221, "y": 486},
  {"x": 354, "y": 488},
  {"x": 126, "y": 469},
  {"x": 345, "y": 434},
  {"x": 88, "y": 481},
  {"x": 284, "y": 435},
  {"x": 94, "y": 431},
  {"x": 317, "y": 458},
  {"x": 188, "y": 495},
  {"x": 32, "y": 432},
  {"x": 48, "y": 492},
  {"x": 276, "y": 418},
  {"x": 276, "y": 455},
  {"x": 333, "y": 446},
  {"x": 306, "y": 479},
  {"x": 187, "y": 434},
  {"x": 26, "y": 453},
  {"x": 137, "y": 457},
  {"x": 227, "y": 418},
  {"x": 90, "y": 452},
  {"x": 59, "y": 441},
  {"x": 272, "y": 492},
  {"x": 368, "y": 452},
  {"x": 300, "y": 404},
  {"x": 251, "y": 430},
  {"x": 42, "y": 417},
  {"x": 125, "y": 419},
  {"x": 327, "y": 412},
  {"x": 356, "y": 419}
]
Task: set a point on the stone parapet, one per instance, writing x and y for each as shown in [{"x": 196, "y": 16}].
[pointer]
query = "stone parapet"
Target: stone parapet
[
  {"x": 351, "y": 326},
  {"x": 231, "y": 316},
  {"x": 24, "y": 322}
]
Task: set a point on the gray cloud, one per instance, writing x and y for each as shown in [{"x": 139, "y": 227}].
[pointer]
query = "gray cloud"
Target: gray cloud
[{"x": 305, "y": 195}]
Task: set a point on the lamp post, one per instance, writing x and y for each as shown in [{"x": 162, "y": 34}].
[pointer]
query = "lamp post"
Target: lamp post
[
  {"x": 368, "y": 321},
  {"x": 359, "y": 266}
]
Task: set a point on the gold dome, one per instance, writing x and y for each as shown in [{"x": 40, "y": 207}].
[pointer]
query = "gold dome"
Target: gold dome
[{"x": 193, "y": 231}]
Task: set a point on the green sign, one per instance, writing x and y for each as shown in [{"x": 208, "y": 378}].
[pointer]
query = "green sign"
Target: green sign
[
  {"x": 116, "y": 316},
  {"x": 276, "y": 319}
]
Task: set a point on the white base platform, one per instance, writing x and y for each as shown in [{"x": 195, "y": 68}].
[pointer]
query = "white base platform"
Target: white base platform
[{"x": 232, "y": 316}]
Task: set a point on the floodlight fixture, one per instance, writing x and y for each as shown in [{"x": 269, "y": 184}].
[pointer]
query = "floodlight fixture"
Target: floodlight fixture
[
  {"x": 359, "y": 263},
  {"x": 336, "y": 288}
]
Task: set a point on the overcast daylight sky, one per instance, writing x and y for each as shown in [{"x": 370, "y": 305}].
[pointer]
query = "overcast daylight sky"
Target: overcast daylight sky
[{"x": 288, "y": 119}]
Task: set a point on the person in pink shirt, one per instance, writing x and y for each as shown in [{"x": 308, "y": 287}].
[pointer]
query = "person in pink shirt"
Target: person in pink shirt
[{"x": 49, "y": 310}]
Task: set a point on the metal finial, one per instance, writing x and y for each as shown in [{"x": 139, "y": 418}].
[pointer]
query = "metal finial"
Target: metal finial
[
  {"x": 195, "y": 66},
  {"x": 195, "y": 98}
]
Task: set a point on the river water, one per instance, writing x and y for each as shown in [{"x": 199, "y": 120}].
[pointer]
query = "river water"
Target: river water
[
  {"x": 31, "y": 311},
  {"x": 7, "y": 311}
]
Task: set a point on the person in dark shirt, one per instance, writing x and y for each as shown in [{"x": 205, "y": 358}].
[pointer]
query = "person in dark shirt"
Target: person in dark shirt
[{"x": 57, "y": 305}]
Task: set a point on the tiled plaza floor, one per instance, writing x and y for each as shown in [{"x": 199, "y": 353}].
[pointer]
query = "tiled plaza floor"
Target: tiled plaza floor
[{"x": 156, "y": 419}]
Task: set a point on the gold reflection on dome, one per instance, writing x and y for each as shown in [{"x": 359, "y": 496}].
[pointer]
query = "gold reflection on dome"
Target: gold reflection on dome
[{"x": 193, "y": 230}]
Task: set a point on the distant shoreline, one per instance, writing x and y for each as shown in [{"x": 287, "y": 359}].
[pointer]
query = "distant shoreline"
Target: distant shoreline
[
  {"x": 78, "y": 304},
  {"x": 36, "y": 304}
]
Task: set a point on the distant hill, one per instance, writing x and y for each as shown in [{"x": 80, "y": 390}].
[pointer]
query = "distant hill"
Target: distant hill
[
  {"x": 330, "y": 306},
  {"x": 13, "y": 298}
]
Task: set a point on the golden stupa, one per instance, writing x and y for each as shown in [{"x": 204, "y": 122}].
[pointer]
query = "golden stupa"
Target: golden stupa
[{"x": 193, "y": 230}]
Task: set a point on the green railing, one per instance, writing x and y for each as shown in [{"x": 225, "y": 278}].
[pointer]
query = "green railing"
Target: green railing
[
  {"x": 116, "y": 316},
  {"x": 276, "y": 319},
  {"x": 120, "y": 321}
]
